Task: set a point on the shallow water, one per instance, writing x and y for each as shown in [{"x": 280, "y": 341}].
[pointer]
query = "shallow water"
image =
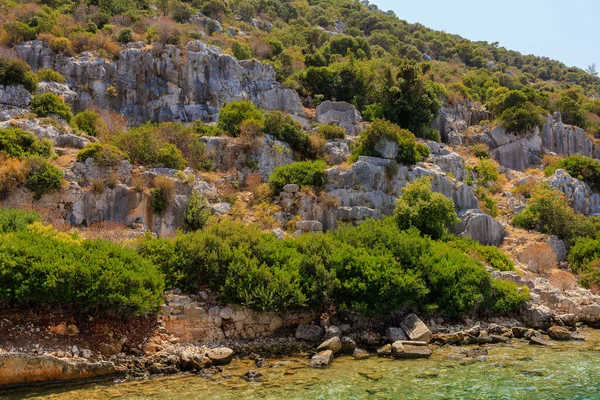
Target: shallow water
[{"x": 518, "y": 371}]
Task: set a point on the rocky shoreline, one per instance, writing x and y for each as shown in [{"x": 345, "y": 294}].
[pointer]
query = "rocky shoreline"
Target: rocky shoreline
[{"x": 319, "y": 344}]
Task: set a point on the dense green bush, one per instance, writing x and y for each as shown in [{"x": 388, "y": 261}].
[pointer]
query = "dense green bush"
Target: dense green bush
[
  {"x": 18, "y": 143},
  {"x": 45, "y": 104},
  {"x": 431, "y": 213},
  {"x": 284, "y": 128},
  {"x": 42, "y": 176},
  {"x": 103, "y": 154},
  {"x": 504, "y": 298},
  {"x": 88, "y": 121},
  {"x": 197, "y": 212},
  {"x": 50, "y": 75},
  {"x": 150, "y": 145},
  {"x": 241, "y": 51},
  {"x": 40, "y": 266},
  {"x": 381, "y": 130},
  {"x": 306, "y": 173},
  {"x": 373, "y": 268},
  {"x": 580, "y": 167},
  {"x": 14, "y": 71},
  {"x": 13, "y": 220},
  {"x": 480, "y": 150},
  {"x": 331, "y": 131},
  {"x": 125, "y": 35},
  {"x": 490, "y": 255},
  {"x": 236, "y": 112},
  {"x": 515, "y": 109}
]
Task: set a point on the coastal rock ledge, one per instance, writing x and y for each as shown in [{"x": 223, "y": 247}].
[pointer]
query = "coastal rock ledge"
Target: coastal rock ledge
[{"x": 20, "y": 369}]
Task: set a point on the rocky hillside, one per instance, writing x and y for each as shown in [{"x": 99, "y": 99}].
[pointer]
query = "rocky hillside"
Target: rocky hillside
[{"x": 315, "y": 157}]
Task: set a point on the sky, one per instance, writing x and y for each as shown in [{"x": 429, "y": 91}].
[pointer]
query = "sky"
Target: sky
[{"x": 565, "y": 30}]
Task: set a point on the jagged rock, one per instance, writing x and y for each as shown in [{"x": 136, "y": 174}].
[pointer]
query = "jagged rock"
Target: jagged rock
[
  {"x": 386, "y": 148},
  {"x": 513, "y": 151},
  {"x": 451, "y": 163},
  {"x": 559, "y": 333},
  {"x": 311, "y": 333},
  {"x": 61, "y": 90},
  {"x": 395, "y": 334},
  {"x": 58, "y": 138},
  {"x": 322, "y": 359},
  {"x": 481, "y": 227},
  {"x": 360, "y": 354},
  {"x": 165, "y": 83},
  {"x": 222, "y": 208},
  {"x": 578, "y": 193},
  {"x": 333, "y": 331},
  {"x": 559, "y": 248},
  {"x": 340, "y": 113},
  {"x": 17, "y": 368},
  {"x": 337, "y": 151},
  {"x": 538, "y": 341},
  {"x": 415, "y": 329},
  {"x": 220, "y": 355},
  {"x": 348, "y": 344},
  {"x": 566, "y": 140},
  {"x": 309, "y": 226},
  {"x": 536, "y": 316},
  {"x": 334, "y": 344},
  {"x": 453, "y": 120},
  {"x": 14, "y": 95},
  {"x": 385, "y": 351}
]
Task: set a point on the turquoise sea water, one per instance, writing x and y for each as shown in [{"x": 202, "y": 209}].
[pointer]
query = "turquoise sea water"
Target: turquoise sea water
[{"x": 517, "y": 371}]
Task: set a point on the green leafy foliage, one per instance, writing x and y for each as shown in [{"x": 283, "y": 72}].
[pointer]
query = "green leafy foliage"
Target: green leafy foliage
[
  {"x": 431, "y": 213},
  {"x": 18, "y": 143},
  {"x": 40, "y": 266},
  {"x": 381, "y": 130},
  {"x": 236, "y": 112},
  {"x": 305, "y": 173},
  {"x": 50, "y": 75},
  {"x": 241, "y": 51},
  {"x": 284, "y": 128},
  {"x": 331, "y": 132},
  {"x": 88, "y": 121},
  {"x": 42, "y": 177},
  {"x": 373, "y": 268},
  {"x": 14, "y": 220},
  {"x": 14, "y": 71},
  {"x": 103, "y": 154},
  {"x": 197, "y": 212},
  {"x": 45, "y": 104},
  {"x": 490, "y": 255}
]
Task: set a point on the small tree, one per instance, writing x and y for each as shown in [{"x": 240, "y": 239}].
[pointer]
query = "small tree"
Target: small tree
[
  {"x": 233, "y": 114},
  {"x": 241, "y": 51},
  {"x": 431, "y": 213},
  {"x": 197, "y": 212},
  {"x": 44, "y": 104}
]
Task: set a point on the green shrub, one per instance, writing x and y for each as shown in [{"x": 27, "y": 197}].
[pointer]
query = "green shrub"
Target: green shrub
[
  {"x": 13, "y": 220},
  {"x": 580, "y": 167},
  {"x": 50, "y": 75},
  {"x": 234, "y": 113},
  {"x": 160, "y": 195},
  {"x": 380, "y": 130},
  {"x": 169, "y": 156},
  {"x": 487, "y": 171},
  {"x": 583, "y": 253},
  {"x": 203, "y": 129},
  {"x": 431, "y": 213},
  {"x": 331, "y": 132},
  {"x": 40, "y": 266},
  {"x": 89, "y": 122},
  {"x": 504, "y": 298},
  {"x": 521, "y": 119},
  {"x": 44, "y": 104},
  {"x": 18, "y": 32},
  {"x": 42, "y": 177},
  {"x": 125, "y": 35},
  {"x": 490, "y": 255},
  {"x": 14, "y": 71},
  {"x": 241, "y": 51},
  {"x": 103, "y": 154},
  {"x": 284, "y": 128},
  {"x": 18, "y": 143},
  {"x": 480, "y": 151},
  {"x": 197, "y": 212},
  {"x": 306, "y": 173}
]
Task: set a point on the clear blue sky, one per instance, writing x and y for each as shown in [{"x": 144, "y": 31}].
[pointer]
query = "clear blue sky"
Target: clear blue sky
[{"x": 565, "y": 30}]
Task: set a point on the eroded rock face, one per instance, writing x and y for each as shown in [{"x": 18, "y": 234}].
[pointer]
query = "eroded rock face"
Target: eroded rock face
[
  {"x": 343, "y": 114},
  {"x": 17, "y": 368},
  {"x": 566, "y": 140},
  {"x": 14, "y": 95},
  {"x": 578, "y": 193},
  {"x": 370, "y": 188},
  {"x": 481, "y": 227},
  {"x": 165, "y": 83},
  {"x": 64, "y": 138}
]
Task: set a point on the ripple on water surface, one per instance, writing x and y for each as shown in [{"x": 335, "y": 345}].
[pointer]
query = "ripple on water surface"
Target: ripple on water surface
[{"x": 520, "y": 371}]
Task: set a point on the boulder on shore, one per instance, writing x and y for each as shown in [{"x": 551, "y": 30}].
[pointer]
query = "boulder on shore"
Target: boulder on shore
[
  {"x": 322, "y": 359},
  {"x": 220, "y": 355},
  {"x": 311, "y": 333},
  {"x": 416, "y": 329}
]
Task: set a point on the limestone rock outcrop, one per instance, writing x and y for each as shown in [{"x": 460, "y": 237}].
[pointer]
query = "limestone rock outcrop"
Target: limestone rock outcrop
[
  {"x": 14, "y": 95},
  {"x": 343, "y": 114},
  {"x": 165, "y": 83},
  {"x": 481, "y": 227},
  {"x": 578, "y": 193},
  {"x": 17, "y": 369}
]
